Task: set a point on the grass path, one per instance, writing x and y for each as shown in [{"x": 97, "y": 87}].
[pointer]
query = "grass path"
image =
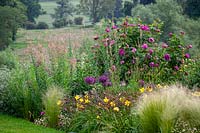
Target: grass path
[{"x": 15, "y": 125}]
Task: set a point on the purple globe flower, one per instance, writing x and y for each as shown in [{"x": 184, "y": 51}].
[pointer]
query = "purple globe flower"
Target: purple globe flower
[
  {"x": 103, "y": 79},
  {"x": 151, "y": 64},
  {"x": 187, "y": 55},
  {"x": 151, "y": 39},
  {"x": 90, "y": 80},
  {"x": 42, "y": 113},
  {"x": 144, "y": 27},
  {"x": 144, "y": 46},
  {"x": 121, "y": 52},
  {"x": 167, "y": 57}
]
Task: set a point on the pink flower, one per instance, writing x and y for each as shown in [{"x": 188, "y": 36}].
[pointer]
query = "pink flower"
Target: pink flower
[
  {"x": 150, "y": 51},
  {"x": 190, "y": 46},
  {"x": 96, "y": 37},
  {"x": 121, "y": 62},
  {"x": 144, "y": 46},
  {"x": 112, "y": 42},
  {"x": 144, "y": 27},
  {"x": 187, "y": 55},
  {"x": 114, "y": 27},
  {"x": 151, "y": 64},
  {"x": 42, "y": 113},
  {"x": 170, "y": 34},
  {"x": 164, "y": 45},
  {"x": 134, "y": 50},
  {"x": 121, "y": 52},
  {"x": 176, "y": 68},
  {"x": 151, "y": 39},
  {"x": 107, "y": 29}
]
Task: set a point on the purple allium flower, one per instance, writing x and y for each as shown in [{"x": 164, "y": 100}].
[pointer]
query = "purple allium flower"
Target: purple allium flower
[
  {"x": 144, "y": 27},
  {"x": 121, "y": 52},
  {"x": 103, "y": 78},
  {"x": 121, "y": 62},
  {"x": 134, "y": 50},
  {"x": 167, "y": 57},
  {"x": 112, "y": 42},
  {"x": 96, "y": 37},
  {"x": 141, "y": 82},
  {"x": 107, "y": 29},
  {"x": 151, "y": 39},
  {"x": 107, "y": 84},
  {"x": 144, "y": 46},
  {"x": 176, "y": 68},
  {"x": 151, "y": 64},
  {"x": 114, "y": 27},
  {"x": 187, "y": 55},
  {"x": 42, "y": 113},
  {"x": 90, "y": 80},
  {"x": 164, "y": 45},
  {"x": 150, "y": 51}
]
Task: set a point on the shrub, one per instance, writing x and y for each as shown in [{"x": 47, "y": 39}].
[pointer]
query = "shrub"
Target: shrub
[
  {"x": 7, "y": 59},
  {"x": 60, "y": 23},
  {"x": 160, "y": 111},
  {"x": 78, "y": 20},
  {"x": 52, "y": 102},
  {"x": 30, "y": 25},
  {"x": 42, "y": 25}
]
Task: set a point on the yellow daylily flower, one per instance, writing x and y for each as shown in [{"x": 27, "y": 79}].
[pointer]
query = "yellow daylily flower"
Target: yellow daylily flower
[
  {"x": 112, "y": 104},
  {"x": 59, "y": 102},
  {"x": 127, "y": 103},
  {"x": 98, "y": 117},
  {"x": 106, "y": 100},
  {"x": 87, "y": 101},
  {"x": 81, "y": 100},
  {"x": 149, "y": 89},
  {"x": 77, "y": 97},
  {"x": 116, "y": 109},
  {"x": 142, "y": 90}
]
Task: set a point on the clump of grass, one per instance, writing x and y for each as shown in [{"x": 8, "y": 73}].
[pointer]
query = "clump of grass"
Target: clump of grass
[
  {"x": 52, "y": 102},
  {"x": 160, "y": 110}
]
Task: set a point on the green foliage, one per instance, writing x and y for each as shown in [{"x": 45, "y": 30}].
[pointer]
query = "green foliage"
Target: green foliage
[
  {"x": 192, "y": 8},
  {"x": 7, "y": 59},
  {"x": 62, "y": 13},
  {"x": 96, "y": 9},
  {"x": 10, "y": 20},
  {"x": 51, "y": 100},
  {"x": 145, "y": 2},
  {"x": 159, "y": 112},
  {"x": 42, "y": 25},
  {"x": 30, "y": 25},
  {"x": 127, "y": 8},
  {"x": 33, "y": 9},
  {"x": 78, "y": 20}
]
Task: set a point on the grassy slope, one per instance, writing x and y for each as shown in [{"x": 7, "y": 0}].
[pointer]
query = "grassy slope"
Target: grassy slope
[{"x": 14, "y": 125}]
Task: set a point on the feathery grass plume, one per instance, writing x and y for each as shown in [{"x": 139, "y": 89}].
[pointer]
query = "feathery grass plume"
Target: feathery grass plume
[
  {"x": 159, "y": 111},
  {"x": 52, "y": 102}
]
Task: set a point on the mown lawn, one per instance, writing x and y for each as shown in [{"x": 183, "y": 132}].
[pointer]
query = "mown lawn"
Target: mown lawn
[{"x": 15, "y": 125}]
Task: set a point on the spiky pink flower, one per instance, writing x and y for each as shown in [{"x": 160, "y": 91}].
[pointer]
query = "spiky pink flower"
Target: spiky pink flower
[
  {"x": 121, "y": 52},
  {"x": 107, "y": 29},
  {"x": 144, "y": 27},
  {"x": 151, "y": 39},
  {"x": 167, "y": 57},
  {"x": 187, "y": 55},
  {"x": 144, "y": 46}
]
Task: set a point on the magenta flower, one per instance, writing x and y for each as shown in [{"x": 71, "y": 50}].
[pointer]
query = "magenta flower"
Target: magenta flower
[
  {"x": 121, "y": 52},
  {"x": 107, "y": 29},
  {"x": 42, "y": 113},
  {"x": 176, "y": 68},
  {"x": 190, "y": 46},
  {"x": 90, "y": 80},
  {"x": 144, "y": 46},
  {"x": 151, "y": 64},
  {"x": 164, "y": 45},
  {"x": 167, "y": 57},
  {"x": 151, "y": 39},
  {"x": 170, "y": 34},
  {"x": 114, "y": 27},
  {"x": 112, "y": 42},
  {"x": 144, "y": 27},
  {"x": 187, "y": 55},
  {"x": 103, "y": 79},
  {"x": 134, "y": 50},
  {"x": 150, "y": 51}
]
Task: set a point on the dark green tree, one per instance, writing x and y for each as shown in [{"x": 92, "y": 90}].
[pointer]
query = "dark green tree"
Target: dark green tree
[
  {"x": 33, "y": 9},
  {"x": 192, "y": 8},
  {"x": 145, "y": 2},
  {"x": 118, "y": 9},
  {"x": 127, "y": 8},
  {"x": 62, "y": 13}
]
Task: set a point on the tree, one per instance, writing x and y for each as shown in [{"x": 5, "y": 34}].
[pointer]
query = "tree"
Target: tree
[
  {"x": 96, "y": 9},
  {"x": 192, "y": 8},
  {"x": 10, "y": 20},
  {"x": 145, "y": 2},
  {"x": 62, "y": 13},
  {"x": 33, "y": 9},
  {"x": 127, "y": 8},
  {"x": 118, "y": 9}
]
